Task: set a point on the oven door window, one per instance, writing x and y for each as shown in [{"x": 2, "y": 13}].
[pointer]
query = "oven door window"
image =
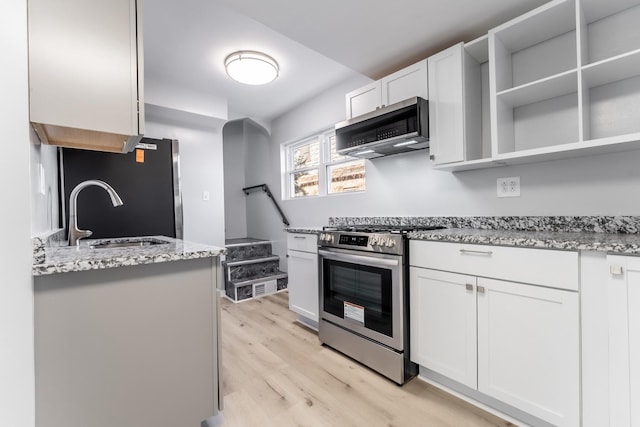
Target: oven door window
[{"x": 365, "y": 292}]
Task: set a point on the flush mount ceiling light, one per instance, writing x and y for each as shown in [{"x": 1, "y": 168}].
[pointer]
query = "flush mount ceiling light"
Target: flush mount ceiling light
[{"x": 251, "y": 68}]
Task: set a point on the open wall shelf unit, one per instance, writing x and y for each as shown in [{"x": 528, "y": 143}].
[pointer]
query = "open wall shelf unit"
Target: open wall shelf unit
[{"x": 563, "y": 81}]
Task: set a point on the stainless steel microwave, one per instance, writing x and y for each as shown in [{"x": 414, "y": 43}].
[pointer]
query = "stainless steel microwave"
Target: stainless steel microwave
[{"x": 398, "y": 128}]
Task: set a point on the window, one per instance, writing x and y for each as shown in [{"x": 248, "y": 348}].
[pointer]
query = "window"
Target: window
[
  {"x": 305, "y": 160},
  {"x": 344, "y": 174},
  {"x": 314, "y": 168}
]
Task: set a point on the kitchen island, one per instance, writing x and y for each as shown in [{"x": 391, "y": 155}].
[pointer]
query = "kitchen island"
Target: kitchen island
[{"x": 126, "y": 336}]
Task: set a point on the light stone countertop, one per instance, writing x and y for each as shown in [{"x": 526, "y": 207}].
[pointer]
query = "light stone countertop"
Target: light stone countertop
[
  {"x": 540, "y": 235},
  {"x": 304, "y": 230},
  {"x": 62, "y": 259},
  {"x": 618, "y": 243}
]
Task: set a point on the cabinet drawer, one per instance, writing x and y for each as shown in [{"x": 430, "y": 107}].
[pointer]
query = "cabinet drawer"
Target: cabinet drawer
[
  {"x": 558, "y": 269},
  {"x": 302, "y": 242}
]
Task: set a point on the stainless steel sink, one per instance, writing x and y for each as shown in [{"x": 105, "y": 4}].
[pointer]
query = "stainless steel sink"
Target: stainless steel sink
[{"x": 128, "y": 243}]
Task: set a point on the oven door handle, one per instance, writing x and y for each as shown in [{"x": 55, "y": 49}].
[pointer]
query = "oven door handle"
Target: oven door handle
[{"x": 359, "y": 259}]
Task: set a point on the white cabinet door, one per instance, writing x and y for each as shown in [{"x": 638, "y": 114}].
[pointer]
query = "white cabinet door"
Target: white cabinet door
[
  {"x": 85, "y": 67},
  {"x": 443, "y": 323},
  {"x": 363, "y": 100},
  {"x": 303, "y": 283},
  {"x": 528, "y": 349},
  {"x": 446, "y": 111},
  {"x": 624, "y": 341},
  {"x": 406, "y": 83},
  {"x": 633, "y": 293}
]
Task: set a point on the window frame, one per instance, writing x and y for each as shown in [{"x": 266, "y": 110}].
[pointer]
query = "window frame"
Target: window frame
[
  {"x": 325, "y": 163},
  {"x": 328, "y": 164},
  {"x": 290, "y": 171}
]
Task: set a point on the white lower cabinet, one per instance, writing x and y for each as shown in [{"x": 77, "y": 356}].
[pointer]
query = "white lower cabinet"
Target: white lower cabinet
[
  {"x": 634, "y": 346},
  {"x": 303, "y": 284},
  {"x": 528, "y": 349},
  {"x": 443, "y": 324},
  {"x": 514, "y": 342},
  {"x": 624, "y": 341},
  {"x": 303, "y": 275}
]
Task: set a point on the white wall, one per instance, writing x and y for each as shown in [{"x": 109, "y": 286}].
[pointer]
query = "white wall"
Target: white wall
[
  {"x": 157, "y": 92},
  {"x": 235, "y": 204},
  {"x": 261, "y": 212},
  {"x": 16, "y": 287},
  {"x": 201, "y": 168},
  {"x": 315, "y": 115},
  {"x": 247, "y": 162},
  {"x": 233, "y": 116},
  {"x": 407, "y": 185}
]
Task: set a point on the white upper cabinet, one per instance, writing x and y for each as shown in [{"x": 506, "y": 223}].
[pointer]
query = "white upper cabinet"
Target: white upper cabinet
[
  {"x": 363, "y": 100},
  {"x": 566, "y": 80},
  {"x": 458, "y": 79},
  {"x": 563, "y": 81},
  {"x": 610, "y": 69},
  {"x": 85, "y": 73},
  {"x": 535, "y": 80},
  {"x": 446, "y": 106},
  {"x": 406, "y": 83}
]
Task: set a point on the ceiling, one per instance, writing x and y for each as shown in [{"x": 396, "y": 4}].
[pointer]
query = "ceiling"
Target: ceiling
[{"x": 317, "y": 44}]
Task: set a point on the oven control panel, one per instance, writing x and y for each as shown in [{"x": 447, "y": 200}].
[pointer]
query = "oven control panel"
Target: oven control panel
[
  {"x": 352, "y": 240},
  {"x": 390, "y": 243}
]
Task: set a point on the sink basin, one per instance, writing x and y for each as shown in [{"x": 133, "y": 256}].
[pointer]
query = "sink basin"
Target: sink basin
[{"x": 140, "y": 242}]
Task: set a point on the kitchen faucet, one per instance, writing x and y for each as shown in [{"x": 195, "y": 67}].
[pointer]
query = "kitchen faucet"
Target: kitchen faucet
[{"x": 75, "y": 234}]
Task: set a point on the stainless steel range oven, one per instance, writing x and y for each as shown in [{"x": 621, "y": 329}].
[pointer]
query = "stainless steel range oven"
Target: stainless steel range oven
[{"x": 364, "y": 298}]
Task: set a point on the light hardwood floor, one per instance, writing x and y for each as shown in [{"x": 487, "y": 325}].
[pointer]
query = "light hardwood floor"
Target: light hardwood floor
[{"x": 276, "y": 373}]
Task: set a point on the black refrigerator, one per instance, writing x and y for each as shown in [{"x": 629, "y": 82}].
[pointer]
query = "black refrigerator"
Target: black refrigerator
[{"x": 146, "y": 179}]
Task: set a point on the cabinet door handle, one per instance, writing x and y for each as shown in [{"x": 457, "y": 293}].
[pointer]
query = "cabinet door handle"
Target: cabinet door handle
[
  {"x": 481, "y": 289},
  {"x": 469, "y": 287},
  {"x": 299, "y": 237},
  {"x": 472, "y": 252}
]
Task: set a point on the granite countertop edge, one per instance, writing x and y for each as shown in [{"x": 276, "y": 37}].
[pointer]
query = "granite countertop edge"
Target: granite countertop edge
[
  {"x": 303, "y": 230},
  {"x": 615, "y": 243},
  {"x": 65, "y": 259}
]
